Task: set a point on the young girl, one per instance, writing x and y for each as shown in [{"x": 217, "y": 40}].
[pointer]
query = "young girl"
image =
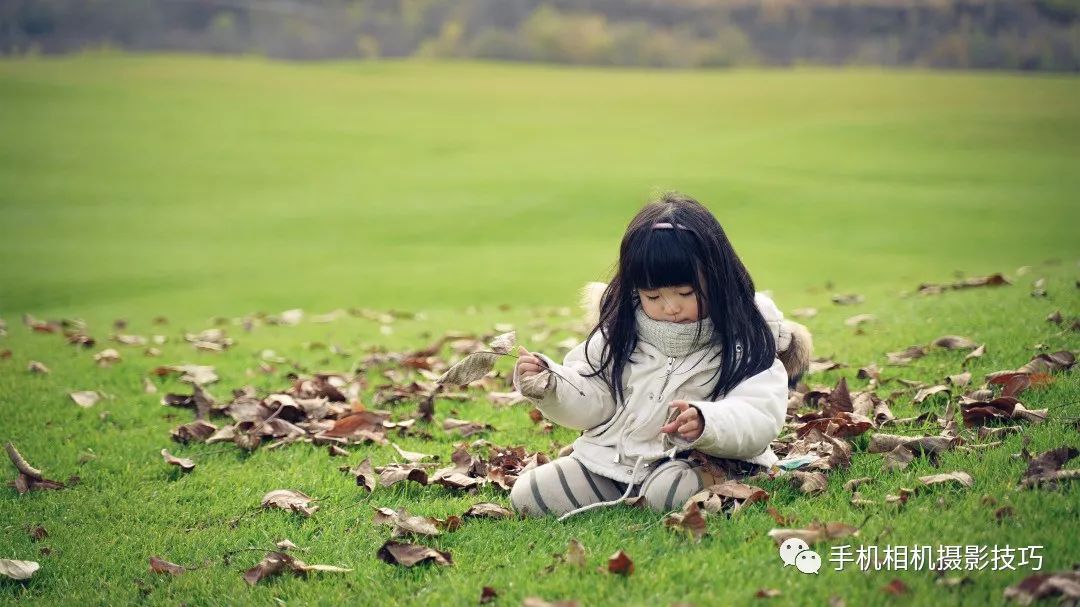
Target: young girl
[{"x": 694, "y": 349}]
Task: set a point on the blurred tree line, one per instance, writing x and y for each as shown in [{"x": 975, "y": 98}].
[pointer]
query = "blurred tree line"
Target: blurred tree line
[{"x": 1005, "y": 34}]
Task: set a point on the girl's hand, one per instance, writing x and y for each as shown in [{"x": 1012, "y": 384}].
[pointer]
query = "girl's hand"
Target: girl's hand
[
  {"x": 528, "y": 364},
  {"x": 688, "y": 424}
]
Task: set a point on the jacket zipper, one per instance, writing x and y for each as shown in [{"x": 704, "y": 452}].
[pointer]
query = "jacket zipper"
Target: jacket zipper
[{"x": 667, "y": 376}]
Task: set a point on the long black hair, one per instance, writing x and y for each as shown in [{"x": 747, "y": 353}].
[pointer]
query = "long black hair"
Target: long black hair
[{"x": 695, "y": 251}]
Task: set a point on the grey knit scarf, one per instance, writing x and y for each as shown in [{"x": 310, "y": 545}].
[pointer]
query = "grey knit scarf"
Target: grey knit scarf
[{"x": 672, "y": 338}]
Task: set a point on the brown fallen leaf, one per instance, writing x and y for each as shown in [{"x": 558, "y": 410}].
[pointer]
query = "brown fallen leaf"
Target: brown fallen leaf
[
  {"x": 994, "y": 280},
  {"x": 411, "y": 457},
  {"x": 767, "y": 593},
  {"x": 958, "y": 476},
  {"x": 407, "y": 555},
  {"x": 274, "y": 563},
  {"x": 487, "y": 510},
  {"x": 36, "y": 367},
  {"x": 820, "y": 365},
  {"x": 85, "y": 398},
  {"x": 976, "y": 353},
  {"x": 870, "y": 371},
  {"x": 395, "y": 473},
  {"x": 959, "y": 380},
  {"x": 848, "y": 299},
  {"x": 855, "y": 482},
  {"x": 197, "y": 431},
  {"x": 815, "y": 532},
  {"x": 29, "y": 478},
  {"x": 859, "y": 319},
  {"x": 487, "y": 594},
  {"x": 1065, "y": 584},
  {"x": 926, "y": 393},
  {"x": 185, "y": 464},
  {"x": 18, "y": 570},
  {"x": 159, "y": 565},
  {"x": 404, "y": 523},
  {"x": 809, "y": 482},
  {"x": 1049, "y": 363},
  {"x": 954, "y": 342},
  {"x": 465, "y": 428},
  {"x": 575, "y": 553},
  {"x": 895, "y": 587},
  {"x": 189, "y": 374},
  {"x": 107, "y": 357},
  {"x": 620, "y": 563},
  {"x": 1045, "y": 469},
  {"x": 691, "y": 520},
  {"x": 478, "y": 364},
  {"x": 289, "y": 500},
  {"x": 980, "y": 413},
  {"x": 365, "y": 476},
  {"x": 905, "y": 356}
]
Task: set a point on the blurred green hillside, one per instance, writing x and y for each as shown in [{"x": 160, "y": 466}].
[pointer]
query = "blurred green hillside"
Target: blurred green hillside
[{"x": 210, "y": 186}]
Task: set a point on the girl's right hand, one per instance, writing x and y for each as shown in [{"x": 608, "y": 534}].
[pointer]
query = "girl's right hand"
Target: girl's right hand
[{"x": 529, "y": 364}]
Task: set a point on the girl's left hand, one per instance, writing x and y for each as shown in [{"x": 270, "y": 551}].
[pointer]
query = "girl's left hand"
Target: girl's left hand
[{"x": 688, "y": 423}]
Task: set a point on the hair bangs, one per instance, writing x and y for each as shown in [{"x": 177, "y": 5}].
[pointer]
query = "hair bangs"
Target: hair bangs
[{"x": 662, "y": 258}]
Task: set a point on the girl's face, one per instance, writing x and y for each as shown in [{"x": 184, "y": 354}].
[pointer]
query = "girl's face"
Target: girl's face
[{"x": 673, "y": 304}]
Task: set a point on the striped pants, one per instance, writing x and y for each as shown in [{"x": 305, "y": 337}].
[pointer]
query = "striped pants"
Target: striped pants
[{"x": 564, "y": 484}]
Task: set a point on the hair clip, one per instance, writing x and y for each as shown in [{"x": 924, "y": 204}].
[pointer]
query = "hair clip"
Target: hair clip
[{"x": 664, "y": 225}]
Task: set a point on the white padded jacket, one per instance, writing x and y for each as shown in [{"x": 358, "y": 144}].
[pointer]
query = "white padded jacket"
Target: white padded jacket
[{"x": 622, "y": 440}]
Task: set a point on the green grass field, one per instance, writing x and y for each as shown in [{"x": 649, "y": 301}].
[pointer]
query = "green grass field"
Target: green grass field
[{"x": 193, "y": 188}]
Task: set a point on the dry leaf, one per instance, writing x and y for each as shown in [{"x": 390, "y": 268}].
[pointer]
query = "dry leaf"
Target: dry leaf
[
  {"x": 197, "y": 431},
  {"x": 159, "y": 565},
  {"x": 960, "y": 380},
  {"x": 905, "y": 356},
  {"x": 185, "y": 464},
  {"x": 958, "y": 476},
  {"x": 855, "y": 482},
  {"x": 35, "y": 367},
  {"x": 407, "y": 555},
  {"x": 859, "y": 319},
  {"x": 190, "y": 374},
  {"x": 411, "y": 456},
  {"x": 976, "y": 353},
  {"x": 289, "y": 500},
  {"x": 405, "y": 523},
  {"x": 29, "y": 478},
  {"x": 487, "y": 510},
  {"x": 1065, "y": 584},
  {"x": 690, "y": 520},
  {"x": 18, "y": 570},
  {"x": 466, "y": 428},
  {"x": 954, "y": 342},
  {"x": 926, "y": 393},
  {"x": 1045, "y": 470},
  {"x": 478, "y": 364},
  {"x": 895, "y": 588},
  {"x": 275, "y": 563},
  {"x": 365, "y": 476},
  {"x": 815, "y": 532},
  {"x": 85, "y": 398},
  {"x": 848, "y": 299},
  {"x": 107, "y": 357},
  {"x": 620, "y": 563},
  {"x": 809, "y": 482},
  {"x": 575, "y": 553}
]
